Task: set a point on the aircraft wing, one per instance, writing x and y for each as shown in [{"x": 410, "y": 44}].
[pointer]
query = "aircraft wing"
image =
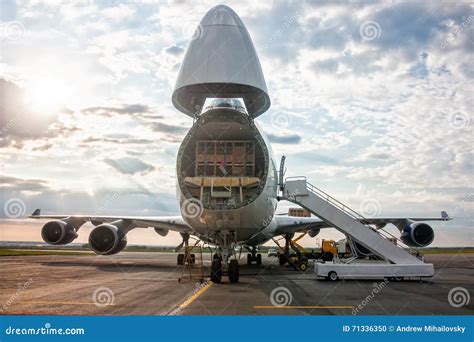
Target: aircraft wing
[
  {"x": 291, "y": 224},
  {"x": 382, "y": 221},
  {"x": 174, "y": 223}
]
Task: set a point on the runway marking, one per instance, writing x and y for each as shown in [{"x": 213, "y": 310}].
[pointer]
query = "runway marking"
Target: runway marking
[
  {"x": 192, "y": 298},
  {"x": 61, "y": 303},
  {"x": 304, "y": 307}
]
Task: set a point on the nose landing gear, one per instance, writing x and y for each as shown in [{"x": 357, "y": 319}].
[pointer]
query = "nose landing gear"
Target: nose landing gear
[
  {"x": 253, "y": 256},
  {"x": 225, "y": 261}
]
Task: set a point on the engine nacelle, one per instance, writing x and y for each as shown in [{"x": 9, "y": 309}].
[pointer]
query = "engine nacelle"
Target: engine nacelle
[
  {"x": 313, "y": 232},
  {"x": 162, "y": 232},
  {"x": 417, "y": 234},
  {"x": 60, "y": 232},
  {"x": 109, "y": 238}
]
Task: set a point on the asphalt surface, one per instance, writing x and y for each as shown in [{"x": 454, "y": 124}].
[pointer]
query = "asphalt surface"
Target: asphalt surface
[{"x": 147, "y": 284}]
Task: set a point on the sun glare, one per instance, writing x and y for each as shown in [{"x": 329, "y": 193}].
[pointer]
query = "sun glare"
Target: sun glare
[{"x": 47, "y": 96}]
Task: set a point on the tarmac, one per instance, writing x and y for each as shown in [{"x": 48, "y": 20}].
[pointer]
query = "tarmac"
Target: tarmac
[{"x": 137, "y": 283}]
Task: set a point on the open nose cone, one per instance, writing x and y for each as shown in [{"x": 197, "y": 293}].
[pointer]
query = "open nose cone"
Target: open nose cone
[{"x": 220, "y": 61}]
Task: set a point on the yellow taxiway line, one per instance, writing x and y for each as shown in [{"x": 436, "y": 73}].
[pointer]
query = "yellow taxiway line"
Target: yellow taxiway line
[{"x": 191, "y": 299}]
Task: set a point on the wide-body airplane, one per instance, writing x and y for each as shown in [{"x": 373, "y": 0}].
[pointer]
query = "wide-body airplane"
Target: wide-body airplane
[{"x": 227, "y": 177}]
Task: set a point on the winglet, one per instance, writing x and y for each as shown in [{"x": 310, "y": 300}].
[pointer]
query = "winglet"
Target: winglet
[
  {"x": 445, "y": 216},
  {"x": 37, "y": 212}
]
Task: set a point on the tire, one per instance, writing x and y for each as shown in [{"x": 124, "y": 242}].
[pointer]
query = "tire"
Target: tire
[
  {"x": 259, "y": 259},
  {"x": 249, "y": 259},
  {"x": 332, "y": 276},
  {"x": 193, "y": 258},
  {"x": 303, "y": 266},
  {"x": 180, "y": 260},
  {"x": 234, "y": 271},
  {"x": 282, "y": 259},
  {"x": 216, "y": 271}
]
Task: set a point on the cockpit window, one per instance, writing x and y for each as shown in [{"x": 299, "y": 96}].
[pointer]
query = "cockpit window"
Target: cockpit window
[{"x": 214, "y": 103}]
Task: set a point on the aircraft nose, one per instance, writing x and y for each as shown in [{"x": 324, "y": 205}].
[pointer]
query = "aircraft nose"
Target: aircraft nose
[{"x": 221, "y": 15}]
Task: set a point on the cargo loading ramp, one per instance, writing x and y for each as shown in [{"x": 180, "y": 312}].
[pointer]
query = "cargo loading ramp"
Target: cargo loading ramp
[{"x": 347, "y": 221}]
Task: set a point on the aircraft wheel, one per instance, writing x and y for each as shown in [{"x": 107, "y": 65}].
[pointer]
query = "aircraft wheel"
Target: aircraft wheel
[
  {"x": 193, "y": 258},
  {"x": 259, "y": 259},
  {"x": 249, "y": 259},
  {"x": 234, "y": 271},
  {"x": 180, "y": 260},
  {"x": 216, "y": 271},
  {"x": 332, "y": 276}
]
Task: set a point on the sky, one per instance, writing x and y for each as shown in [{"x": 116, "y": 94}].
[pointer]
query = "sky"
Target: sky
[{"x": 371, "y": 101}]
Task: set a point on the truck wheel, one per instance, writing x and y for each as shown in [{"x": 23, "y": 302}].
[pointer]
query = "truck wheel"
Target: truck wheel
[
  {"x": 259, "y": 259},
  {"x": 332, "y": 276},
  {"x": 249, "y": 259},
  {"x": 303, "y": 266}
]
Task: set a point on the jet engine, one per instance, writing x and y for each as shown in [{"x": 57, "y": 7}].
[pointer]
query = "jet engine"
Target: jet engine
[
  {"x": 417, "y": 234},
  {"x": 61, "y": 232},
  {"x": 162, "y": 232},
  {"x": 109, "y": 238}
]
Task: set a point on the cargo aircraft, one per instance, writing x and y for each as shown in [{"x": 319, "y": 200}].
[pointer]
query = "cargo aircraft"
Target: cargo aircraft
[{"x": 228, "y": 182}]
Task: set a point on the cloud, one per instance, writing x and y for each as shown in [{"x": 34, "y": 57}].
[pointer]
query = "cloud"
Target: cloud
[
  {"x": 284, "y": 139},
  {"x": 9, "y": 183},
  {"x": 19, "y": 124},
  {"x": 117, "y": 200},
  {"x": 123, "y": 140},
  {"x": 129, "y": 165},
  {"x": 166, "y": 128},
  {"x": 124, "y": 109}
]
